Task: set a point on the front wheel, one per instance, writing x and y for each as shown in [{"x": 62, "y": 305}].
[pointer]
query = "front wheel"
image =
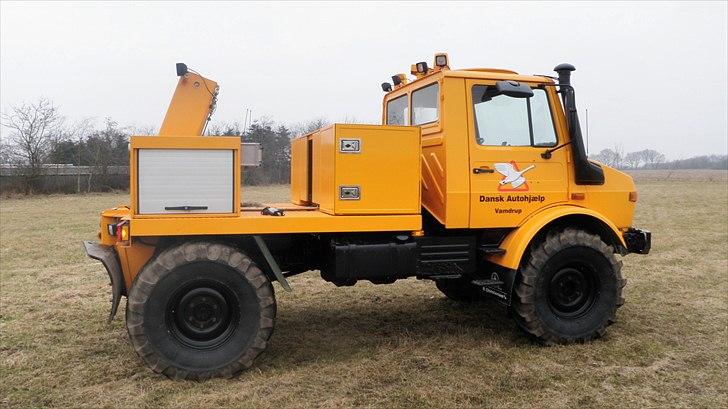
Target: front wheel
[
  {"x": 200, "y": 310},
  {"x": 569, "y": 288}
]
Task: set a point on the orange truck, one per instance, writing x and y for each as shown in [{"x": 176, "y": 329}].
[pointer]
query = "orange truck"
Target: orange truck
[{"x": 477, "y": 180}]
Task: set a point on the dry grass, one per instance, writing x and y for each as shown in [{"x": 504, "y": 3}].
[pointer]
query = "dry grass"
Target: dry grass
[{"x": 400, "y": 345}]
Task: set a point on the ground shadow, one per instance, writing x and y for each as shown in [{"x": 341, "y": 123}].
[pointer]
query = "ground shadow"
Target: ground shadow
[{"x": 335, "y": 329}]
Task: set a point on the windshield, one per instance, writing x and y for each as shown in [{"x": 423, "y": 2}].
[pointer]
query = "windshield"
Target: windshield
[{"x": 505, "y": 121}]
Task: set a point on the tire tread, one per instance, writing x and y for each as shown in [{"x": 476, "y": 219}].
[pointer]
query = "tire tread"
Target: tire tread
[
  {"x": 163, "y": 264},
  {"x": 524, "y": 310}
]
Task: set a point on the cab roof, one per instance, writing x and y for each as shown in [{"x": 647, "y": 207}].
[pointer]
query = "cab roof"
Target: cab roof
[
  {"x": 496, "y": 74},
  {"x": 492, "y": 74}
]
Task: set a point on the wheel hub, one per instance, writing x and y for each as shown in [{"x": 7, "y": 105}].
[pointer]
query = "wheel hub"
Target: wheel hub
[
  {"x": 572, "y": 291},
  {"x": 202, "y": 316}
]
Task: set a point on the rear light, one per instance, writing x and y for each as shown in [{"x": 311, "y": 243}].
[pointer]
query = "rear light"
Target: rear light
[
  {"x": 122, "y": 231},
  {"x": 632, "y": 196}
]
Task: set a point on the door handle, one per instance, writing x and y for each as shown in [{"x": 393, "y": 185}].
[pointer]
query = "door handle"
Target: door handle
[
  {"x": 482, "y": 170},
  {"x": 185, "y": 207}
]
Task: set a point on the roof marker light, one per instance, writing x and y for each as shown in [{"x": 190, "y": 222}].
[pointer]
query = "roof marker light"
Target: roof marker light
[{"x": 441, "y": 60}]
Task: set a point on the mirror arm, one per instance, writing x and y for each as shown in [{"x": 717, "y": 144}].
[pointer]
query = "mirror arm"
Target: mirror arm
[{"x": 547, "y": 153}]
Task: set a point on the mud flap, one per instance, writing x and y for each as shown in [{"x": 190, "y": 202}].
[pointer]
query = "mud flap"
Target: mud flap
[
  {"x": 500, "y": 285},
  {"x": 107, "y": 256}
]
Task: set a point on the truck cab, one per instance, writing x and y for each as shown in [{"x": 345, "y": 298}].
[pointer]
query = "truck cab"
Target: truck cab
[
  {"x": 498, "y": 160},
  {"x": 477, "y": 180}
]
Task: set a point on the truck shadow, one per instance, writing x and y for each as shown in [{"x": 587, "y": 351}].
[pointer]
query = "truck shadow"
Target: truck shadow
[{"x": 339, "y": 328}]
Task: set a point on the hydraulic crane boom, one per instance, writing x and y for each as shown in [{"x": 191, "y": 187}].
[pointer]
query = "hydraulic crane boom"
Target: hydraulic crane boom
[{"x": 192, "y": 104}]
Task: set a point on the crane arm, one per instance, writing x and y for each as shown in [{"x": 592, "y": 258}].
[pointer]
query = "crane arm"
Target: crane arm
[{"x": 192, "y": 104}]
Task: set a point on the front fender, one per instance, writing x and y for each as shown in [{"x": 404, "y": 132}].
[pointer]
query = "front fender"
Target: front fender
[{"x": 516, "y": 243}]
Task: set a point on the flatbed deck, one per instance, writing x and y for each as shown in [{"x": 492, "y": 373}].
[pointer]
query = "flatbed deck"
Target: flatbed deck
[{"x": 297, "y": 219}]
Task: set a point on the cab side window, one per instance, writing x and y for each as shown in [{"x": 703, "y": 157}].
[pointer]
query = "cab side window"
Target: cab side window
[
  {"x": 426, "y": 104},
  {"x": 397, "y": 111},
  {"x": 505, "y": 121}
]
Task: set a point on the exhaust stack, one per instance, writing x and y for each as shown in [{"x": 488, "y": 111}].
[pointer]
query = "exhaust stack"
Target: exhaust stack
[{"x": 585, "y": 172}]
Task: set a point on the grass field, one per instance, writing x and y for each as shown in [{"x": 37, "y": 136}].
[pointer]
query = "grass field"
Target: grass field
[{"x": 401, "y": 345}]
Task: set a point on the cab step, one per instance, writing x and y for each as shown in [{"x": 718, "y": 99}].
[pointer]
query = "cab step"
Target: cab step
[{"x": 490, "y": 250}]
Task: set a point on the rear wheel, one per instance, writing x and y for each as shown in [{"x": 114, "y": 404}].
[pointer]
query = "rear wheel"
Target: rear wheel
[
  {"x": 461, "y": 290},
  {"x": 200, "y": 310},
  {"x": 569, "y": 288}
]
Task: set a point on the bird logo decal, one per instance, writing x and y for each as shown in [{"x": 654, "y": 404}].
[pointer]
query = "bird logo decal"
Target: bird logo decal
[{"x": 514, "y": 176}]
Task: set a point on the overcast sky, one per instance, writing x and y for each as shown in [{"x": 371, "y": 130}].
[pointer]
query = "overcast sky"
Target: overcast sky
[{"x": 653, "y": 75}]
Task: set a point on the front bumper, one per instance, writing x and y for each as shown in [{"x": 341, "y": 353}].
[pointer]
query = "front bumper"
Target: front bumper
[
  {"x": 107, "y": 256},
  {"x": 638, "y": 241}
]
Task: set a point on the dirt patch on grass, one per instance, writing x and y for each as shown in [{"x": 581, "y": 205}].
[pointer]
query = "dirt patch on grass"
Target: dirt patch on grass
[{"x": 400, "y": 345}]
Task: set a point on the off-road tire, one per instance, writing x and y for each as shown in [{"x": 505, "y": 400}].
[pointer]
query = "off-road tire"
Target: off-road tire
[
  {"x": 461, "y": 290},
  {"x": 200, "y": 279},
  {"x": 544, "y": 307}
]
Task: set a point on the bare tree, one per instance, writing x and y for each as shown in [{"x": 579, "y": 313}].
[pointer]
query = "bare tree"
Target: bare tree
[
  {"x": 633, "y": 159},
  {"x": 144, "y": 130},
  {"x": 652, "y": 157},
  {"x": 618, "y": 155},
  {"x": 303, "y": 128},
  {"x": 609, "y": 157},
  {"x": 350, "y": 119},
  {"x": 105, "y": 148},
  {"x": 78, "y": 133},
  {"x": 6, "y": 153},
  {"x": 33, "y": 131}
]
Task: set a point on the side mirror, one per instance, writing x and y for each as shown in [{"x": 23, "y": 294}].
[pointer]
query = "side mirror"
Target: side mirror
[{"x": 513, "y": 89}]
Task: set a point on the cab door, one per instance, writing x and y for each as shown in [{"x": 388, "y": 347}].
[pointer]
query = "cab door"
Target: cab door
[{"x": 509, "y": 177}]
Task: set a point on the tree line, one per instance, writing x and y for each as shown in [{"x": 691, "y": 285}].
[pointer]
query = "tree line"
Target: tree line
[
  {"x": 274, "y": 140},
  {"x": 39, "y": 138},
  {"x": 652, "y": 159}
]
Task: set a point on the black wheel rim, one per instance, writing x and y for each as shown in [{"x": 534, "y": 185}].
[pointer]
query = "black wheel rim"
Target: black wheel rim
[
  {"x": 203, "y": 314},
  {"x": 572, "y": 291}
]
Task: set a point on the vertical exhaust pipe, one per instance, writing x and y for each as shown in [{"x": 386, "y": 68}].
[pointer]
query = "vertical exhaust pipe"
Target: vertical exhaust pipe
[
  {"x": 564, "y": 70},
  {"x": 585, "y": 172}
]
